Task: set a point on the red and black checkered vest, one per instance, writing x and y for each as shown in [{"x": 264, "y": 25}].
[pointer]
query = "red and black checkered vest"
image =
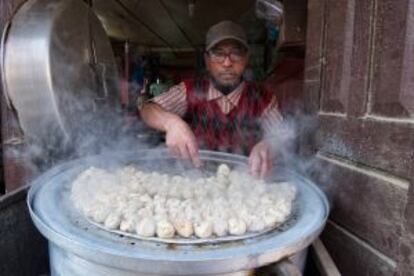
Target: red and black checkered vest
[{"x": 235, "y": 132}]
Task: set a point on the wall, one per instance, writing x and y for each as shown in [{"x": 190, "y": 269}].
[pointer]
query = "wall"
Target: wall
[
  {"x": 359, "y": 83},
  {"x": 286, "y": 80}
]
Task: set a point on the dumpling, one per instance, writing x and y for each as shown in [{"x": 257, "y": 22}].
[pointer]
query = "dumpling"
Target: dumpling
[
  {"x": 187, "y": 191},
  {"x": 223, "y": 170},
  {"x": 280, "y": 212},
  {"x": 220, "y": 227},
  {"x": 152, "y": 189},
  {"x": 146, "y": 227},
  {"x": 289, "y": 190},
  {"x": 160, "y": 210},
  {"x": 113, "y": 220},
  {"x": 184, "y": 227},
  {"x": 259, "y": 189},
  {"x": 163, "y": 188},
  {"x": 236, "y": 226},
  {"x": 174, "y": 190},
  {"x": 145, "y": 198},
  {"x": 251, "y": 202},
  {"x": 203, "y": 229},
  {"x": 160, "y": 217},
  {"x": 172, "y": 203},
  {"x": 177, "y": 179},
  {"x": 165, "y": 229},
  {"x": 267, "y": 200},
  {"x": 145, "y": 212},
  {"x": 136, "y": 187},
  {"x": 173, "y": 213},
  {"x": 190, "y": 212},
  {"x": 120, "y": 206},
  {"x": 237, "y": 177},
  {"x": 256, "y": 224},
  {"x": 248, "y": 218},
  {"x": 159, "y": 200},
  {"x": 131, "y": 209},
  {"x": 270, "y": 221},
  {"x": 127, "y": 225},
  {"x": 134, "y": 199},
  {"x": 200, "y": 192},
  {"x": 207, "y": 210},
  {"x": 100, "y": 213}
]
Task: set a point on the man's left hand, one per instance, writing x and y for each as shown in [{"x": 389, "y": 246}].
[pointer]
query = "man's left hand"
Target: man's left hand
[{"x": 260, "y": 159}]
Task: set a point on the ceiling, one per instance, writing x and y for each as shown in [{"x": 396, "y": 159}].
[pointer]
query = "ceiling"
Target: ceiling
[{"x": 167, "y": 23}]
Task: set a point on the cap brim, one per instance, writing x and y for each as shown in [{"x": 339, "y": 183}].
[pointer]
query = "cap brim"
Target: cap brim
[{"x": 215, "y": 42}]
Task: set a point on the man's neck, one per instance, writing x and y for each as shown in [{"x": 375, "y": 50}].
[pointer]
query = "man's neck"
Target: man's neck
[{"x": 225, "y": 89}]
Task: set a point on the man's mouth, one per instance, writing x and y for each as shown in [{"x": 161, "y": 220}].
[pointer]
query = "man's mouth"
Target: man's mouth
[
  {"x": 226, "y": 84},
  {"x": 228, "y": 75}
]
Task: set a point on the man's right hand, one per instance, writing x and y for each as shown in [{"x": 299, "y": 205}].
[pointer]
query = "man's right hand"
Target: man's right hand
[{"x": 181, "y": 141}]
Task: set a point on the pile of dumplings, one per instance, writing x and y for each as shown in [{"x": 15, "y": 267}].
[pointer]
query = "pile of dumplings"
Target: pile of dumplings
[{"x": 149, "y": 204}]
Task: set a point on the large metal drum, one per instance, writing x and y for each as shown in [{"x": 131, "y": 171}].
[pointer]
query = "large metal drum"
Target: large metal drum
[
  {"x": 77, "y": 247},
  {"x": 59, "y": 72}
]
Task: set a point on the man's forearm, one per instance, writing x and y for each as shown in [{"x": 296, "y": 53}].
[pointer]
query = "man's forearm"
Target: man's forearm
[{"x": 156, "y": 117}]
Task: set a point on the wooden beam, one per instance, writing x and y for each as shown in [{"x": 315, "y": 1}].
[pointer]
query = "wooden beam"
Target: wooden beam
[{"x": 323, "y": 260}]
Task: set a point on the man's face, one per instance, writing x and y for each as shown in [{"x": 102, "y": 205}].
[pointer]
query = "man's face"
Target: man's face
[{"x": 226, "y": 62}]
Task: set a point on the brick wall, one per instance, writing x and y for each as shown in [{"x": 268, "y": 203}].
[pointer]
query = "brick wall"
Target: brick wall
[{"x": 359, "y": 83}]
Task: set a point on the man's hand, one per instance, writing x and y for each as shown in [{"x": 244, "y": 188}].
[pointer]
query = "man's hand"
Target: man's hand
[
  {"x": 181, "y": 141},
  {"x": 260, "y": 159}
]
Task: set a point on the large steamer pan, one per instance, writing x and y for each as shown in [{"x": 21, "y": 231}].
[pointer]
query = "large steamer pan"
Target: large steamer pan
[
  {"x": 77, "y": 247},
  {"x": 58, "y": 70}
]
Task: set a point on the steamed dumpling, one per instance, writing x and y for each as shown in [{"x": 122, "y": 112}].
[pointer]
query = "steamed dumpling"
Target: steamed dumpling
[
  {"x": 100, "y": 213},
  {"x": 145, "y": 212},
  {"x": 146, "y": 227},
  {"x": 223, "y": 170},
  {"x": 165, "y": 229},
  {"x": 184, "y": 227},
  {"x": 220, "y": 227},
  {"x": 113, "y": 220},
  {"x": 229, "y": 202},
  {"x": 127, "y": 225},
  {"x": 203, "y": 229},
  {"x": 256, "y": 224},
  {"x": 237, "y": 226}
]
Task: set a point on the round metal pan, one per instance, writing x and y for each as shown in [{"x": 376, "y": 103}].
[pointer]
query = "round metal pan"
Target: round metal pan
[{"x": 76, "y": 243}]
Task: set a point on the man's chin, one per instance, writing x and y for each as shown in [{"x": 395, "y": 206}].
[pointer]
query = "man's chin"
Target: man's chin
[
  {"x": 228, "y": 82},
  {"x": 225, "y": 87}
]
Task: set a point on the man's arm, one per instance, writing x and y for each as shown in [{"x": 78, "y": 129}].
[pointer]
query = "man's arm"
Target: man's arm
[
  {"x": 262, "y": 154},
  {"x": 180, "y": 140},
  {"x": 157, "y": 117}
]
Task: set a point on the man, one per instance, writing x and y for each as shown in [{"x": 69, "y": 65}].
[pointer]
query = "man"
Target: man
[{"x": 222, "y": 113}]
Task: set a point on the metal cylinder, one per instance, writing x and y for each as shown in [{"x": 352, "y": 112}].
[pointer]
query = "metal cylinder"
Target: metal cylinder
[{"x": 77, "y": 247}]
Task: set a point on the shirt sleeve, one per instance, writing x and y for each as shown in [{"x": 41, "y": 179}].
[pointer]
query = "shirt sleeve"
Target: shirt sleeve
[
  {"x": 271, "y": 117},
  {"x": 173, "y": 100}
]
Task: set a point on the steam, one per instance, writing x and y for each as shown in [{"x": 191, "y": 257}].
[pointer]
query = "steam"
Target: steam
[
  {"x": 88, "y": 127},
  {"x": 292, "y": 145},
  {"x": 94, "y": 127}
]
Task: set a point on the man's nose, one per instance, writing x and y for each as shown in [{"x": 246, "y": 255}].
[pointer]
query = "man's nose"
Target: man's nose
[{"x": 227, "y": 61}]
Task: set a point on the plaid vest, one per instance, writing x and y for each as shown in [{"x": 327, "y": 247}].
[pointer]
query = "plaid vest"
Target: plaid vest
[{"x": 235, "y": 132}]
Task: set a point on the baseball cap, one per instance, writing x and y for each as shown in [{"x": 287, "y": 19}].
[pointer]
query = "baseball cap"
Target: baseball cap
[{"x": 225, "y": 30}]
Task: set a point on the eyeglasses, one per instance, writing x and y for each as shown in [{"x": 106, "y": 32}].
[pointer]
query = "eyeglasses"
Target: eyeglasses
[{"x": 220, "y": 57}]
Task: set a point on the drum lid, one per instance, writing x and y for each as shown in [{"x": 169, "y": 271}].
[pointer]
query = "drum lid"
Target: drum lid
[{"x": 59, "y": 71}]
